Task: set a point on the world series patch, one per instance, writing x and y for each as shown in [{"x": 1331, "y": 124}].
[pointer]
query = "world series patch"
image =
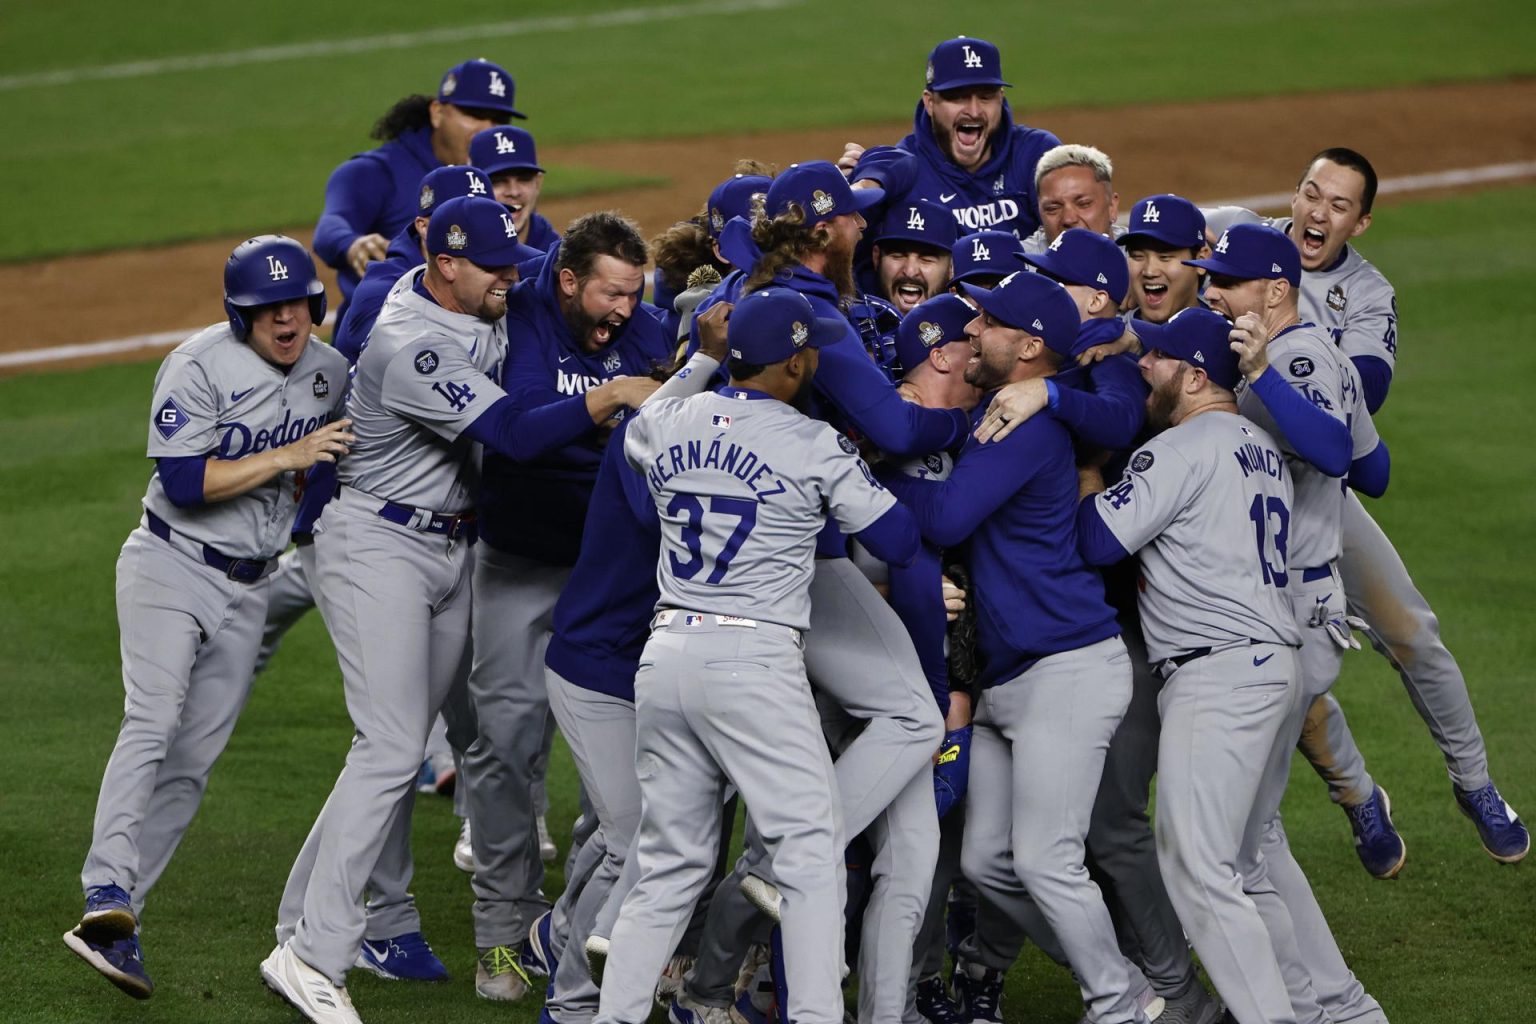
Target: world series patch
[{"x": 322, "y": 387}]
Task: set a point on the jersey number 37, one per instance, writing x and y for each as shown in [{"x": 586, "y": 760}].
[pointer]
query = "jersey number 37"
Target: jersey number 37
[{"x": 743, "y": 510}]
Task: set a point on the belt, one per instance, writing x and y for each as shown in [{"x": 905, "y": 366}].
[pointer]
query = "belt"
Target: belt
[
  {"x": 1317, "y": 572},
  {"x": 241, "y": 570},
  {"x": 424, "y": 520},
  {"x": 670, "y": 616},
  {"x": 1169, "y": 666}
]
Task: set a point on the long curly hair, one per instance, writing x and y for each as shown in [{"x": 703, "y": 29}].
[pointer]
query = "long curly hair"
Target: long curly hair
[
  {"x": 407, "y": 115},
  {"x": 683, "y": 248},
  {"x": 785, "y": 241}
]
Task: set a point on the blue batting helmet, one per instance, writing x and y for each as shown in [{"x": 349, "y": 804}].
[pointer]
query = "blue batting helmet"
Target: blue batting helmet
[{"x": 268, "y": 269}]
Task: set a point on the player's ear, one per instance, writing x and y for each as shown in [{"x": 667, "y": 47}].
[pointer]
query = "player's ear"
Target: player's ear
[
  {"x": 436, "y": 112},
  {"x": 1360, "y": 225},
  {"x": 1097, "y": 302},
  {"x": 447, "y": 269},
  {"x": 1202, "y": 253},
  {"x": 568, "y": 282},
  {"x": 928, "y": 102}
]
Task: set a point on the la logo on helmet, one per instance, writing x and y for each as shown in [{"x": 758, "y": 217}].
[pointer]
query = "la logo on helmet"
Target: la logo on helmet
[{"x": 277, "y": 268}]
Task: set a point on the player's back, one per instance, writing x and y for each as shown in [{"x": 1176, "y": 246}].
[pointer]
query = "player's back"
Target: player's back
[{"x": 743, "y": 483}]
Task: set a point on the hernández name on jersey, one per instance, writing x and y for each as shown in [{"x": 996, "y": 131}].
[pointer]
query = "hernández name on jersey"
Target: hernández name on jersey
[{"x": 742, "y": 463}]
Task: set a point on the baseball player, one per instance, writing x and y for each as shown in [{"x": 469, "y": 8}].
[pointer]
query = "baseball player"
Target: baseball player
[
  {"x": 507, "y": 155},
  {"x": 1057, "y": 678},
  {"x": 965, "y": 152},
  {"x": 372, "y": 195},
  {"x": 1206, "y": 505},
  {"x": 1165, "y": 230},
  {"x": 983, "y": 258},
  {"x": 721, "y": 695},
  {"x": 393, "y": 572},
  {"x": 581, "y": 351},
  {"x": 911, "y": 254},
  {"x": 240, "y": 411},
  {"x": 1300, "y": 389},
  {"x": 1076, "y": 189}
]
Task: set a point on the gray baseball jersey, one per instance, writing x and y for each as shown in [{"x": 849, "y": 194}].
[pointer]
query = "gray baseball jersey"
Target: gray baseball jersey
[
  {"x": 425, "y": 375},
  {"x": 1175, "y": 506},
  {"x": 1303, "y": 356},
  {"x": 1353, "y": 302},
  {"x": 709, "y": 462},
  {"x": 215, "y": 396}
]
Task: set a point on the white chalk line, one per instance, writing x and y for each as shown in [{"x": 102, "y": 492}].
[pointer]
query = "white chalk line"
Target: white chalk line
[
  {"x": 1388, "y": 186},
  {"x": 389, "y": 41}
]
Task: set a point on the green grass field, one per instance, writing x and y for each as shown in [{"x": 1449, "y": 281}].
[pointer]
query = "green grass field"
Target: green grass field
[
  {"x": 188, "y": 153},
  {"x": 1449, "y": 941}
]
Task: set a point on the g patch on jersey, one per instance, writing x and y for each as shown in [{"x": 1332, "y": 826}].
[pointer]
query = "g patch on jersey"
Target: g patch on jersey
[
  {"x": 847, "y": 445},
  {"x": 1301, "y": 366},
  {"x": 170, "y": 418},
  {"x": 322, "y": 387},
  {"x": 1142, "y": 461},
  {"x": 426, "y": 362}
]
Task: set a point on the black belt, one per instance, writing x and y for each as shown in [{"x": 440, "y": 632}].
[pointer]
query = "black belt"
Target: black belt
[
  {"x": 1168, "y": 666},
  {"x": 241, "y": 570},
  {"x": 1317, "y": 572},
  {"x": 427, "y": 521}
]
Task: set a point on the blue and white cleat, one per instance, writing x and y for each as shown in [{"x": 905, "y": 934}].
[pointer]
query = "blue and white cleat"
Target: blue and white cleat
[
  {"x": 108, "y": 915},
  {"x": 1504, "y": 836},
  {"x": 935, "y": 1005},
  {"x": 403, "y": 958},
  {"x": 1380, "y": 849},
  {"x": 539, "y": 954},
  {"x": 683, "y": 1010},
  {"x": 120, "y": 961}
]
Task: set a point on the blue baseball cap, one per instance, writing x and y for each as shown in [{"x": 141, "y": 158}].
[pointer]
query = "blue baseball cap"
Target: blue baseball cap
[
  {"x": 449, "y": 182},
  {"x": 480, "y": 85},
  {"x": 478, "y": 229},
  {"x": 1169, "y": 219},
  {"x": 964, "y": 61},
  {"x": 733, "y": 198},
  {"x": 1200, "y": 337},
  {"x": 934, "y": 322},
  {"x": 504, "y": 148},
  {"x": 769, "y": 326},
  {"x": 920, "y": 221},
  {"x": 821, "y": 190},
  {"x": 1252, "y": 251},
  {"x": 985, "y": 253},
  {"x": 1034, "y": 304},
  {"x": 1080, "y": 256}
]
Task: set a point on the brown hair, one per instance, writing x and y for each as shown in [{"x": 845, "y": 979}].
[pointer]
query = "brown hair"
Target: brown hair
[
  {"x": 785, "y": 241},
  {"x": 681, "y": 249}
]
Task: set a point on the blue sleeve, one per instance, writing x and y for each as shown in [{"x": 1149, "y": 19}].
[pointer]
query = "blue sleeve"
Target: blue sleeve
[
  {"x": 182, "y": 478},
  {"x": 1112, "y": 414},
  {"x": 893, "y": 537},
  {"x": 1375, "y": 378},
  {"x": 1314, "y": 434},
  {"x": 851, "y": 381},
  {"x": 523, "y": 434},
  {"x": 1095, "y": 541},
  {"x": 895, "y": 169},
  {"x": 984, "y": 477},
  {"x": 354, "y": 197},
  {"x": 319, "y": 488},
  {"x": 1369, "y": 473},
  {"x": 917, "y": 596}
]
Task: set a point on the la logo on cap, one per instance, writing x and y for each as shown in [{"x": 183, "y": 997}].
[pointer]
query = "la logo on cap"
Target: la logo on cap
[
  {"x": 821, "y": 202},
  {"x": 1221, "y": 246},
  {"x": 915, "y": 220},
  {"x": 1151, "y": 215},
  {"x": 498, "y": 87},
  {"x": 979, "y": 251},
  {"x": 505, "y": 145},
  {"x": 972, "y": 58},
  {"x": 476, "y": 185},
  {"x": 506, "y": 219}
]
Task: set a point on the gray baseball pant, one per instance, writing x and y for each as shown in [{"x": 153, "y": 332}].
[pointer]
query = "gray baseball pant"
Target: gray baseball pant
[
  {"x": 188, "y": 639},
  {"x": 1223, "y": 717},
  {"x": 1404, "y": 630},
  {"x": 514, "y": 604},
  {"x": 1040, "y": 740},
  {"x": 397, "y": 604},
  {"x": 715, "y": 704}
]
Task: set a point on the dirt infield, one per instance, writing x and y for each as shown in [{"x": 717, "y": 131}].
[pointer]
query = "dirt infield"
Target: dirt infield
[{"x": 1207, "y": 150}]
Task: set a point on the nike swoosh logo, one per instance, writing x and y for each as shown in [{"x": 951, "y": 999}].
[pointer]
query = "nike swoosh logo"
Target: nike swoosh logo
[
  {"x": 235, "y": 396},
  {"x": 564, "y": 358},
  {"x": 945, "y": 199},
  {"x": 1257, "y": 661},
  {"x": 950, "y": 753}
]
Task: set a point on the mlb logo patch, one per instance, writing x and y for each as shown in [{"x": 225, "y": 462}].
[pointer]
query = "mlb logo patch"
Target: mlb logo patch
[
  {"x": 720, "y": 421},
  {"x": 693, "y": 620},
  {"x": 170, "y": 418}
]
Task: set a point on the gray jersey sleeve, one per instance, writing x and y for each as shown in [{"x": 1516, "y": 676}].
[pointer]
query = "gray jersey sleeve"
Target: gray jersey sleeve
[
  {"x": 1370, "y": 328},
  {"x": 853, "y": 497},
  {"x": 1362, "y": 428},
  {"x": 432, "y": 381},
  {"x": 184, "y": 416},
  {"x": 1156, "y": 487}
]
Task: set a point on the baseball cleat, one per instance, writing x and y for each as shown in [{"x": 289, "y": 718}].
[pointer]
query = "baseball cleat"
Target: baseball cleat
[
  {"x": 684, "y": 1010},
  {"x": 548, "y": 851},
  {"x": 671, "y": 981},
  {"x": 306, "y": 989},
  {"x": 596, "y": 950},
  {"x": 108, "y": 915},
  {"x": 1380, "y": 849},
  {"x": 403, "y": 958},
  {"x": 979, "y": 992},
  {"x": 463, "y": 851},
  {"x": 1504, "y": 836},
  {"x": 500, "y": 976},
  {"x": 539, "y": 953},
  {"x": 120, "y": 961},
  {"x": 1192, "y": 1006},
  {"x": 746, "y": 1010},
  {"x": 762, "y": 894},
  {"x": 934, "y": 1004}
]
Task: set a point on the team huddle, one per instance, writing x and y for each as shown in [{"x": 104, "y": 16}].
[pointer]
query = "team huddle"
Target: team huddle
[{"x": 925, "y": 514}]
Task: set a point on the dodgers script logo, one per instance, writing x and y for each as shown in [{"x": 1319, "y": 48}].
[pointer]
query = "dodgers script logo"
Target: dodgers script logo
[
  {"x": 277, "y": 269},
  {"x": 238, "y": 440}
]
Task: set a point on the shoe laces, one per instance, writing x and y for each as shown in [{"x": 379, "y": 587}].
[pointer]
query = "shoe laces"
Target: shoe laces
[
  {"x": 410, "y": 945},
  {"x": 109, "y": 893},
  {"x": 1367, "y": 820},
  {"x": 1489, "y": 805},
  {"x": 499, "y": 960}
]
